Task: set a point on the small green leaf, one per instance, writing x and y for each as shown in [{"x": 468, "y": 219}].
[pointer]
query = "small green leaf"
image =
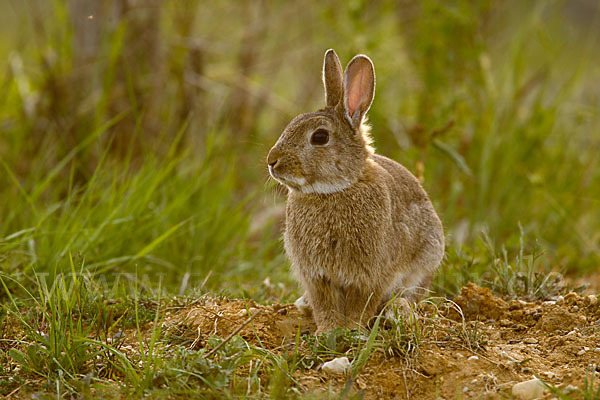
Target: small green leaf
[{"x": 18, "y": 356}]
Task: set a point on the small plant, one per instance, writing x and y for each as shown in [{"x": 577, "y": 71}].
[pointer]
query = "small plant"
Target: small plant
[
  {"x": 471, "y": 335},
  {"x": 187, "y": 371},
  {"x": 403, "y": 330},
  {"x": 521, "y": 276},
  {"x": 590, "y": 390}
]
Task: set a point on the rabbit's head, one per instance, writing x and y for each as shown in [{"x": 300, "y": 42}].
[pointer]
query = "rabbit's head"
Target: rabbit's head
[{"x": 325, "y": 151}]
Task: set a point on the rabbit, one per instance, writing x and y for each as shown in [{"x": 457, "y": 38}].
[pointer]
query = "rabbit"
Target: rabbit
[{"x": 360, "y": 230}]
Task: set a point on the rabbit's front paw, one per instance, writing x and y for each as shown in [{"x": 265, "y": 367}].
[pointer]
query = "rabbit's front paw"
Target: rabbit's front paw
[
  {"x": 325, "y": 328},
  {"x": 303, "y": 305}
]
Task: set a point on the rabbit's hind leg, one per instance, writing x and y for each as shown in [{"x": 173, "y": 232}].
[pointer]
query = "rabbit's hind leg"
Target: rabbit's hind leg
[
  {"x": 359, "y": 305},
  {"x": 424, "y": 265}
]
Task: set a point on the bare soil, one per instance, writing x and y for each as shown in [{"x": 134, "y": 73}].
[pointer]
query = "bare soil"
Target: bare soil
[{"x": 478, "y": 346}]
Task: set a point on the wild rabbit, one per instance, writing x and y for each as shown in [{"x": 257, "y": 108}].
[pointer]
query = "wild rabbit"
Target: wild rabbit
[{"x": 360, "y": 229}]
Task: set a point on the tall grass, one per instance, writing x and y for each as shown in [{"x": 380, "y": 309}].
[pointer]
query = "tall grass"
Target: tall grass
[{"x": 134, "y": 137}]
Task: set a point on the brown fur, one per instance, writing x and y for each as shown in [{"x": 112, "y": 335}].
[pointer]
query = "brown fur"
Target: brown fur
[{"x": 360, "y": 229}]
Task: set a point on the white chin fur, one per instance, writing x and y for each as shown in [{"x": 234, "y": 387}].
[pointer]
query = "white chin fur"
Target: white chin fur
[
  {"x": 296, "y": 181},
  {"x": 316, "y": 187},
  {"x": 324, "y": 188}
]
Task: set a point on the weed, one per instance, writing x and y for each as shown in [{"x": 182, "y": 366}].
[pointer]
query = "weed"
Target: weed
[
  {"x": 515, "y": 272},
  {"x": 589, "y": 391},
  {"x": 336, "y": 343}
]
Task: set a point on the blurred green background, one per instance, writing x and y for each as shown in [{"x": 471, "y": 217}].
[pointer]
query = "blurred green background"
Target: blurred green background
[{"x": 133, "y": 134}]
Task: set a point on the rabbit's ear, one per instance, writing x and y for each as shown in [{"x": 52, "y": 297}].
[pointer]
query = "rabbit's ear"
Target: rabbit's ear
[
  {"x": 332, "y": 78},
  {"x": 359, "y": 88}
]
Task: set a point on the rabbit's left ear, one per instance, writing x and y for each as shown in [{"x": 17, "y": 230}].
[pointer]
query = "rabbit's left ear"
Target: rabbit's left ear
[
  {"x": 332, "y": 78},
  {"x": 359, "y": 88}
]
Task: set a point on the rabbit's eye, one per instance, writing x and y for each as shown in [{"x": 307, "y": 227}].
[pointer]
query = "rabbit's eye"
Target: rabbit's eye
[{"x": 319, "y": 137}]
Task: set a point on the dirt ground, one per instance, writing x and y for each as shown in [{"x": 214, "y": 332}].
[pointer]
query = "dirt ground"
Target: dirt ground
[{"x": 482, "y": 353}]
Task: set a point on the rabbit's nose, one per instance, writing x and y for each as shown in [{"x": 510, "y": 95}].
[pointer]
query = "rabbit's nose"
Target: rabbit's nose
[{"x": 272, "y": 158}]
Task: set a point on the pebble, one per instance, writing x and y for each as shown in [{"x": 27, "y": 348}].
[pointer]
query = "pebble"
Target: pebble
[
  {"x": 528, "y": 390},
  {"x": 530, "y": 340},
  {"x": 338, "y": 365},
  {"x": 571, "y": 296},
  {"x": 361, "y": 385},
  {"x": 548, "y": 374},
  {"x": 244, "y": 312},
  {"x": 472, "y": 358},
  {"x": 241, "y": 313},
  {"x": 592, "y": 300},
  {"x": 560, "y": 300},
  {"x": 512, "y": 357}
]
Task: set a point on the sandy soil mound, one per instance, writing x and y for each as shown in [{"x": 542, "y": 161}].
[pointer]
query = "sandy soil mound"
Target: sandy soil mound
[{"x": 478, "y": 346}]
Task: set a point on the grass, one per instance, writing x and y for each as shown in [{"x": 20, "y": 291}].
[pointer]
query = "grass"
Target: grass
[
  {"x": 589, "y": 391},
  {"x": 132, "y": 173}
]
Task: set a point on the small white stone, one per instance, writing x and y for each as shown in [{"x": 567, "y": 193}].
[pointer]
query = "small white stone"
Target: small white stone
[
  {"x": 548, "y": 374},
  {"x": 465, "y": 389},
  {"x": 592, "y": 300},
  {"x": 581, "y": 352},
  {"x": 528, "y": 390},
  {"x": 472, "y": 358},
  {"x": 530, "y": 341},
  {"x": 336, "y": 366},
  {"x": 241, "y": 313},
  {"x": 560, "y": 300}
]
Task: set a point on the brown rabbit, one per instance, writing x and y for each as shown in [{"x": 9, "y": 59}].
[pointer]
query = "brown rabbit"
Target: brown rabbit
[{"x": 360, "y": 229}]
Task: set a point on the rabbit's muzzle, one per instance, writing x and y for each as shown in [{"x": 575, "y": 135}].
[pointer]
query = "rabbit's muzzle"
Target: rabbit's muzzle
[
  {"x": 272, "y": 160},
  {"x": 285, "y": 169}
]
